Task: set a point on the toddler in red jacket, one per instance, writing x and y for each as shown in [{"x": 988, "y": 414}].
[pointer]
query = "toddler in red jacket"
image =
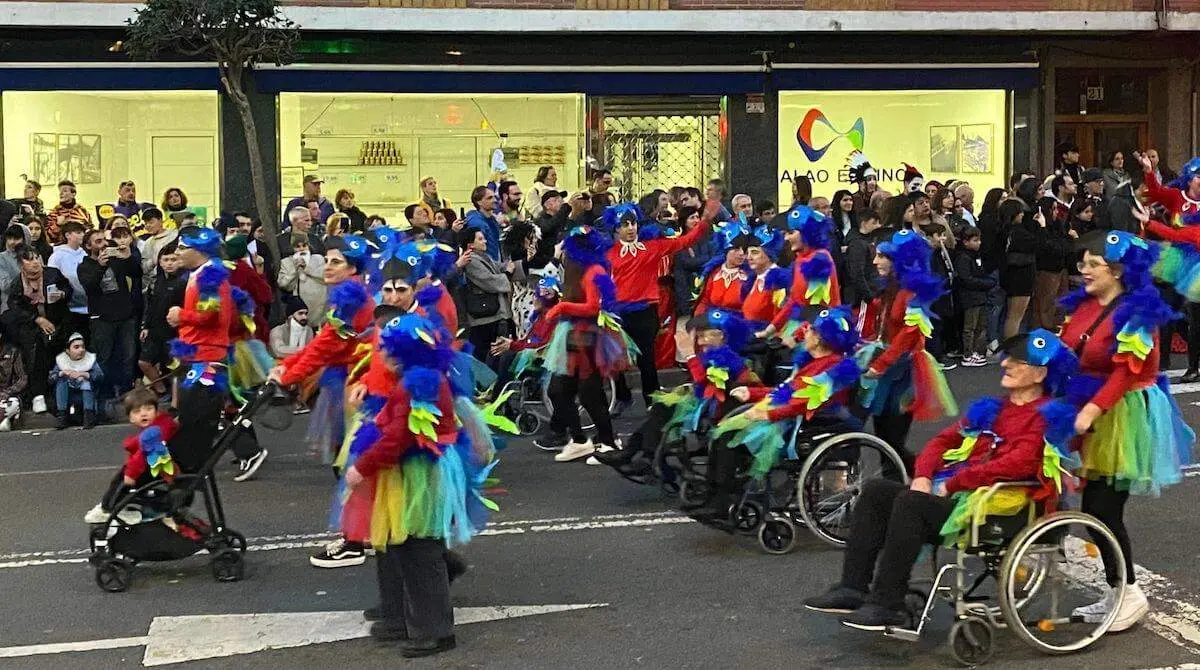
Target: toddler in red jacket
[{"x": 146, "y": 455}]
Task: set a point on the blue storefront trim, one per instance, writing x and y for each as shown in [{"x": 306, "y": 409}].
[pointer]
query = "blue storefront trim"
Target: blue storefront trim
[{"x": 109, "y": 79}]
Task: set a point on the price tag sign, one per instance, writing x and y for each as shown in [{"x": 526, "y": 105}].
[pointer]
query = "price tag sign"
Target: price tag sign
[{"x": 755, "y": 104}]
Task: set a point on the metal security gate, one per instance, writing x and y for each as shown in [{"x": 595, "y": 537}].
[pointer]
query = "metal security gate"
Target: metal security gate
[{"x": 651, "y": 143}]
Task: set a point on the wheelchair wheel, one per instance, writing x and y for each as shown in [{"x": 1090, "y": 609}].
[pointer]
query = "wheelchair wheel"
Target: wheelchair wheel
[
  {"x": 971, "y": 641},
  {"x": 528, "y": 423},
  {"x": 833, "y": 476},
  {"x": 693, "y": 492},
  {"x": 777, "y": 536},
  {"x": 1045, "y": 575},
  {"x": 746, "y": 516}
]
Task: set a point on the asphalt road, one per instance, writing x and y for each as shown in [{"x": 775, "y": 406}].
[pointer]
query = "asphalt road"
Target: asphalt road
[{"x": 676, "y": 594}]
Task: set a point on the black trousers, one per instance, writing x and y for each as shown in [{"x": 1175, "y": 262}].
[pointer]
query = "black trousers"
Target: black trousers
[
  {"x": 648, "y": 435},
  {"x": 1193, "y": 337},
  {"x": 200, "y": 410},
  {"x": 642, "y": 327},
  {"x": 414, "y": 588},
  {"x": 890, "y": 525},
  {"x": 1103, "y": 501},
  {"x": 114, "y": 343},
  {"x": 481, "y": 338},
  {"x": 724, "y": 463},
  {"x": 893, "y": 429},
  {"x": 565, "y": 390}
]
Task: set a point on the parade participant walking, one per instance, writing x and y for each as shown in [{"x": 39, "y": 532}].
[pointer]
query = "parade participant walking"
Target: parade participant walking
[
  {"x": 902, "y": 381},
  {"x": 1134, "y": 438},
  {"x": 814, "y": 279},
  {"x": 336, "y": 348},
  {"x": 418, "y": 487},
  {"x": 635, "y": 258}
]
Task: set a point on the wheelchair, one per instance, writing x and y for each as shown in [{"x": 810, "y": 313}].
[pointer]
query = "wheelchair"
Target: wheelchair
[
  {"x": 528, "y": 403},
  {"x": 1041, "y": 567},
  {"x": 816, "y": 484}
]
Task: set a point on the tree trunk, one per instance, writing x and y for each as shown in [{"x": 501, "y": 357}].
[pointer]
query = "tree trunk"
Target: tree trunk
[{"x": 232, "y": 80}]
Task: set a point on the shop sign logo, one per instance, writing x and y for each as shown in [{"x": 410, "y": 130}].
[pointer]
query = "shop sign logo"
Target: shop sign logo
[{"x": 804, "y": 134}]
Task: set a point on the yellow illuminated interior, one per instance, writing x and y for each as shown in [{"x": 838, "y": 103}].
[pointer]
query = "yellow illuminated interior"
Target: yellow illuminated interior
[
  {"x": 158, "y": 139},
  {"x": 450, "y": 137},
  {"x": 944, "y": 134}
]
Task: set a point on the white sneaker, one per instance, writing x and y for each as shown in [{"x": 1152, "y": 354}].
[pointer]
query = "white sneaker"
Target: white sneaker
[
  {"x": 1096, "y": 612},
  {"x": 130, "y": 516},
  {"x": 39, "y": 404},
  {"x": 1134, "y": 607},
  {"x": 248, "y": 467},
  {"x": 5, "y": 425},
  {"x": 95, "y": 515},
  {"x": 602, "y": 449},
  {"x": 575, "y": 451}
]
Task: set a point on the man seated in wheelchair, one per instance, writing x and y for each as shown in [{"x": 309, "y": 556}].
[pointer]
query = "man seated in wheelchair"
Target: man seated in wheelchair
[
  {"x": 720, "y": 381},
  {"x": 1023, "y": 436},
  {"x": 818, "y": 390}
]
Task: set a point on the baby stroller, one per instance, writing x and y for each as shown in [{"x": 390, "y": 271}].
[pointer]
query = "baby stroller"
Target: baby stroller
[{"x": 168, "y": 529}]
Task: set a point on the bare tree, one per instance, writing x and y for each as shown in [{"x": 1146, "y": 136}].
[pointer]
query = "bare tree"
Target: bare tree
[{"x": 237, "y": 34}]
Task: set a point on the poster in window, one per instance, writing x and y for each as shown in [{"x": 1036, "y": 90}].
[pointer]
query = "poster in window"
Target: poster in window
[
  {"x": 58, "y": 156},
  {"x": 943, "y": 149},
  {"x": 977, "y": 148}
]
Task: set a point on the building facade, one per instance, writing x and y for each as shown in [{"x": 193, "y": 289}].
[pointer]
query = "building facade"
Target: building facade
[{"x": 664, "y": 92}]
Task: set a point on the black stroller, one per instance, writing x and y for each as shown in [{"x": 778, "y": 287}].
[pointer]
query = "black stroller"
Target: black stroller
[{"x": 169, "y": 530}]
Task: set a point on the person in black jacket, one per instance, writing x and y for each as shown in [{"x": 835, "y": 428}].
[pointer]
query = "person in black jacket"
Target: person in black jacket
[
  {"x": 108, "y": 275},
  {"x": 156, "y": 334},
  {"x": 38, "y": 307},
  {"x": 1052, "y": 255},
  {"x": 945, "y": 335},
  {"x": 1125, "y": 210},
  {"x": 1022, "y": 226},
  {"x": 858, "y": 282},
  {"x": 972, "y": 283}
]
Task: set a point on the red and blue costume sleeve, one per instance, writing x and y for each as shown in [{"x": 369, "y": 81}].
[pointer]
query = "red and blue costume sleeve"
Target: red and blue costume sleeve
[
  {"x": 205, "y": 318},
  {"x": 1181, "y": 212},
  {"x": 347, "y": 326},
  {"x": 819, "y": 384},
  {"x": 590, "y": 307},
  {"x": 906, "y": 325},
  {"x": 148, "y": 450},
  {"x": 814, "y": 282},
  {"x": 407, "y": 423}
]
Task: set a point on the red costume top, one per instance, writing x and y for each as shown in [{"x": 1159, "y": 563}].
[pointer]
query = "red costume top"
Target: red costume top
[
  {"x": 1096, "y": 357},
  {"x": 247, "y": 278},
  {"x": 395, "y": 438},
  {"x": 539, "y": 334},
  {"x": 797, "y": 406},
  {"x": 1016, "y": 456},
  {"x": 590, "y": 307},
  {"x": 796, "y": 297},
  {"x": 635, "y": 265},
  {"x": 348, "y": 326},
  {"x": 1180, "y": 208},
  {"x": 723, "y": 289},
  {"x": 135, "y": 459},
  {"x": 762, "y": 296},
  {"x": 207, "y": 314},
  {"x": 901, "y": 338}
]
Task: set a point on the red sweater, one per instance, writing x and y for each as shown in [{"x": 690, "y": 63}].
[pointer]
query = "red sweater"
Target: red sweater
[
  {"x": 1017, "y": 457},
  {"x": 722, "y": 289},
  {"x": 795, "y": 407},
  {"x": 635, "y": 269},
  {"x": 762, "y": 303},
  {"x": 330, "y": 347},
  {"x": 247, "y": 278},
  {"x": 900, "y": 338},
  {"x": 800, "y": 286},
  {"x": 1096, "y": 358},
  {"x": 394, "y": 436},
  {"x": 135, "y": 460},
  {"x": 1176, "y": 202},
  {"x": 207, "y": 330},
  {"x": 590, "y": 307}
]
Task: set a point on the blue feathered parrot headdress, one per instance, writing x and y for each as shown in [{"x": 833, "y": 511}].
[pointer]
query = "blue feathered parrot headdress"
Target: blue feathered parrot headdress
[
  {"x": 910, "y": 255},
  {"x": 836, "y": 328},
  {"x": 549, "y": 285},
  {"x": 736, "y": 330},
  {"x": 586, "y": 246},
  {"x": 813, "y": 226},
  {"x": 205, "y": 240},
  {"x": 412, "y": 340},
  {"x": 769, "y": 239},
  {"x": 1189, "y": 170},
  {"x": 615, "y": 216},
  {"x": 356, "y": 250},
  {"x": 1043, "y": 348}
]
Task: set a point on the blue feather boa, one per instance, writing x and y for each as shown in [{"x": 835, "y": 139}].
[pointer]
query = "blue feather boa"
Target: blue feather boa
[
  {"x": 347, "y": 298},
  {"x": 422, "y": 384},
  {"x": 777, "y": 278},
  {"x": 608, "y": 292},
  {"x": 1060, "y": 421},
  {"x": 981, "y": 414},
  {"x": 817, "y": 268},
  {"x": 726, "y": 359},
  {"x": 245, "y": 304},
  {"x": 587, "y": 247},
  {"x": 210, "y": 278}
]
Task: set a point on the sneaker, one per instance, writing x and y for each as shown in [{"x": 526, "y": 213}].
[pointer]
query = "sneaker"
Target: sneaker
[
  {"x": 947, "y": 364},
  {"x": 1189, "y": 377},
  {"x": 974, "y": 361},
  {"x": 39, "y": 404},
  {"x": 993, "y": 347},
  {"x": 300, "y": 408},
  {"x": 427, "y": 646},
  {"x": 602, "y": 449},
  {"x": 339, "y": 554},
  {"x": 876, "y": 618},
  {"x": 6, "y": 425},
  {"x": 838, "y": 600},
  {"x": 1096, "y": 612},
  {"x": 96, "y": 514},
  {"x": 249, "y": 466},
  {"x": 1134, "y": 607},
  {"x": 389, "y": 631},
  {"x": 575, "y": 451},
  {"x": 615, "y": 457},
  {"x": 550, "y": 441},
  {"x": 130, "y": 516},
  {"x": 60, "y": 423},
  {"x": 955, "y": 355},
  {"x": 90, "y": 420}
]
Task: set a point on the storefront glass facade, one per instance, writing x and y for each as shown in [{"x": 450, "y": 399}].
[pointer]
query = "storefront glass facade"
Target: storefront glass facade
[
  {"x": 961, "y": 135},
  {"x": 98, "y": 139},
  {"x": 380, "y": 146}
]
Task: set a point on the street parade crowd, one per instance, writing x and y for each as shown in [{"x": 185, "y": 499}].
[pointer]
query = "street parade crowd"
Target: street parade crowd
[{"x": 399, "y": 339}]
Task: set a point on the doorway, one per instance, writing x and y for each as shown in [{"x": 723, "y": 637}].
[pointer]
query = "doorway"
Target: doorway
[{"x": 1097, "y": 139}]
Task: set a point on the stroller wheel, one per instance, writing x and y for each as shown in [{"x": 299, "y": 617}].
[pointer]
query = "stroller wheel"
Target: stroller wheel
[
  {"x": 777, "y": 536},
  {"x": 528, "y": 423},
  {"x": 229, "y": 539},
  {"x": 228, "y": 566},
  {"x": 114, "y": 575}
]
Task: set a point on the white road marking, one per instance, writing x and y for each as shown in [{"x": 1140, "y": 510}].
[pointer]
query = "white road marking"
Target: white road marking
[
  {"x": 177, "y": 639},
  {"x": 313, "y": 540}
]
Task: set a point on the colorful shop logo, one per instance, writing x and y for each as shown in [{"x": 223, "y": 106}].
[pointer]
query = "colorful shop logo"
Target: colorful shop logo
[{"x": 804, "y": 134}]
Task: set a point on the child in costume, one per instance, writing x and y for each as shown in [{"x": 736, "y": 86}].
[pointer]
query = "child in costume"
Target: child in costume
[
  {"x": 1019, "y": 437},
  {"x": 146, "y": 457},
  {"x": 1134, "y": 438},
  {"x": 420, "y": 485},
  {"x": 814, "y": 278},
  {"x": 517, "y": 356},
  {"x": 716, "y": 371},
  {"x": 588, "y": 346},
  {"x": 901, "y": 381},
  {"x": 821, "y": 384}
]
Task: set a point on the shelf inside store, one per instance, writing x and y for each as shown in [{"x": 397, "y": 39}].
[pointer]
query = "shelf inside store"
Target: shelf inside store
[{"x": 343, "y": 166}]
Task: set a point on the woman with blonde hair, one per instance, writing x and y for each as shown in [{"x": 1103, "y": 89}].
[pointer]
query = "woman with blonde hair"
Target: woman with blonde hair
[{"x": 431, "y": 201}]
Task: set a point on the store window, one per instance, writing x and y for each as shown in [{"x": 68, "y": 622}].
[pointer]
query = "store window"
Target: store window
[
  {"x": 946, "y": 135},
  {"x": 98, "y": 139},
  {"x": 380, "y": 146}
]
